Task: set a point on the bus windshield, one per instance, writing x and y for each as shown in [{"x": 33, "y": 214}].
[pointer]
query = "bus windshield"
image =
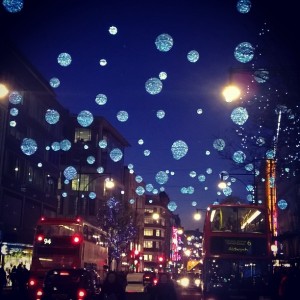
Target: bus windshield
[
  {"x": 237, "y": 219},
  {"x": 57, "y": 229}
]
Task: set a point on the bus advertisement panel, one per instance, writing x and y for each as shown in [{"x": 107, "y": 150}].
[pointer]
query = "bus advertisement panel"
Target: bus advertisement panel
[
  {"x": 237, "y": 256},
  {"x": 66, "y": 243}
]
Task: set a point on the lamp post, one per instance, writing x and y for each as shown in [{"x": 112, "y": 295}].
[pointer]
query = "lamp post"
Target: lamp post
[
  {"x": 225, "y": 175},
  {"x": 108, "y": 184},
  {"x": 197, "y": 214}
]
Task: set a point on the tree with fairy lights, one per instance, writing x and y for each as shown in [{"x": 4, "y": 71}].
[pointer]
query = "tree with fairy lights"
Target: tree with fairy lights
[{"x": 116, "y": 218}]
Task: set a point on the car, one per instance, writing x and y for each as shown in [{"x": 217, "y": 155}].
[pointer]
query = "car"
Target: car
[
  {"x": 140, "y": 282},
  {"x": 189, "y": 281},
  {"x": 70, "y": 284}
]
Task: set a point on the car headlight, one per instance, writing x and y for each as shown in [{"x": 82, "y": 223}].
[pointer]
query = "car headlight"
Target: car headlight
[{"x": 184, "y": 282}]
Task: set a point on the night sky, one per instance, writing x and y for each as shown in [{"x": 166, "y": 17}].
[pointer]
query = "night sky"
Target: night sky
[{"x": 195, "y": 111}]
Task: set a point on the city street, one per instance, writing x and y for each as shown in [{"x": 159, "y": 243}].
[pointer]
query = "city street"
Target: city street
[{"x": 9, "y": 295}]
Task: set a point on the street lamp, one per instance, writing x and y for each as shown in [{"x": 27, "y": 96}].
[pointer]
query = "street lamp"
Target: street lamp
[
  {"x": 197, "y": 214},
  {"x": 252, "y": 189},
  {"x": 108, "y": 184}
]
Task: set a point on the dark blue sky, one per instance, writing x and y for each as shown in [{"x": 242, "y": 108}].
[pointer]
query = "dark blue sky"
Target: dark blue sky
[{"x": 44, "y": 29}]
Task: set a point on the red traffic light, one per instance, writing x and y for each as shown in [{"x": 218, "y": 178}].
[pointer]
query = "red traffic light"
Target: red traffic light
[{"x": 160, "y": 259}]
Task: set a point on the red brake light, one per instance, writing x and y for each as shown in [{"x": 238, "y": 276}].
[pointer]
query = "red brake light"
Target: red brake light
[
  {"x": 155, "y": 280},
  {"x": 40, "y": 238},
  {"x": 32, "y": 282},
  {"x": 81, "y": 294},
  {"x": 76, "y": 239}
]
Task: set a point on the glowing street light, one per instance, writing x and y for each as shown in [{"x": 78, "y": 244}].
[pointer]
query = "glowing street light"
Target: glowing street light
[
  {"x": 231, "y": 93},
  {"x": 3, "y": 90}
]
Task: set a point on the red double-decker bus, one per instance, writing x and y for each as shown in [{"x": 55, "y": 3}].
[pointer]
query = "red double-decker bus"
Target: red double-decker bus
[
  {"x": 66, "y": 243},
  {"x": 237, "y": 256}
]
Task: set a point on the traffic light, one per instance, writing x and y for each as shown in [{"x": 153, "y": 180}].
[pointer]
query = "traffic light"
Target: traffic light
[{"x": 160, "y": 258}]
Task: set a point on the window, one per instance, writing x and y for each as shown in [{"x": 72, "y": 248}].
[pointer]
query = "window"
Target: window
[
  {"x": 148, "y": 244},
  {"x": 148, "y": 232},
  {"x": 82, "y": 134},
  {"x": 157, "y": 233},
  {"x": 148, "y": 257}
]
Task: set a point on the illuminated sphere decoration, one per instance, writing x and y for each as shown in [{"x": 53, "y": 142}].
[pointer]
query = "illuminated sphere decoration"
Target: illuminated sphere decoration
[
  {"x": 219, "y": 144},
  {"x": 239, "y": 115},
  {"x": 179, "y": 149},
  {"x": 102, "y": 62},
  {"x": 14, "y": 111},
  {"x": 140, "y": 190},
  {"x": 149, "y": 187},
  {"x": 153, "y": 86},
  {"x": 249, "y": 167},
  {"x": 260, "y": 141},
  {"x": 70, "y": 173},
  {"x": 90, "y": 159},
  {"x": 193, "y": 174},
  {"x": 282, "y": 204},
  {"x": 15, "y": 98},
  {"x": 101, "y": 99},
  {"x": 13, "y": 6},
  {"x": 243, "y": 6},
  {"x": 100, "y": 170},
  {"x": 64, "y": 59},
  {"x": 172, "y": 206},
  {"x": 12, "y": 123},
  {"x": 239, "y": 157},
  {"x": 244, "y": 52},
  {"x": 92, "y": 195},
  {"x": 161, "y": 177},
  {"x": 85, "y": 118},
  {"x": 51, "y": 116},
  {"x": 164, "y": 42},
  {"x": 113, "y": 30},
  {"x": 102, "y": 144},
  {"x": 138, "y": 179},
  {"x": 162, "y": 75},
  {"x": 227, "y": 191},
  {"x": 160, "y": 114},
  {"x": 193, "y": 56},
  {"x": 28, "y": 146},
  {"x": 261, "y": 75},
  {"x": 54, "y": 82},
  {"x": 194, "y": 203},
  {"x": 199, "y": 111},
  {"x": 270, "y": 154},
  {"x": 116, "y": 154},
  {"x": 55, "y": 146},
  {"x": 122, "y": 116},
  {"x": 209, "y": 170},
  {"x": 201, "y": 177},
  {"x": 140, "y": 141},
  {"x": 65, "y": 145},
  {"x": 147, "y": 152},
  {"x": 131, "y": 201}
]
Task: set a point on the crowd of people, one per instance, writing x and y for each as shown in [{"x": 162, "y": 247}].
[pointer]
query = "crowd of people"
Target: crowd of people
[{"x": 17, "y": 277}]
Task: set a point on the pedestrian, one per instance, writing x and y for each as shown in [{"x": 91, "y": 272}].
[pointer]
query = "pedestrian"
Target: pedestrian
[
  {"x": 164, "y": 289},
  {"x": 2, "y": 279},
  {"x": 112, "y": 288},
  {"x": 13, "y": 278}
]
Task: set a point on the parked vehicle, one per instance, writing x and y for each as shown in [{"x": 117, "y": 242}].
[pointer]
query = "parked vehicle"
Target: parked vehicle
[
  {"x": 70, "y": 284},
  {"x": 140, "y": 282}
]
